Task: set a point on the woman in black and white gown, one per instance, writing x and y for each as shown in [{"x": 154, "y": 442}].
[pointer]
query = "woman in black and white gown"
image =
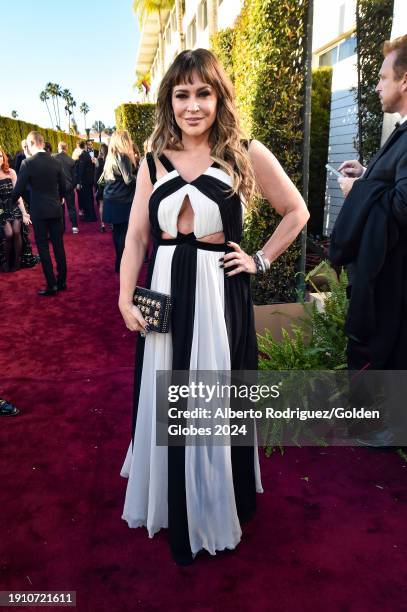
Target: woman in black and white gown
[{"x": 189, "y": 198}]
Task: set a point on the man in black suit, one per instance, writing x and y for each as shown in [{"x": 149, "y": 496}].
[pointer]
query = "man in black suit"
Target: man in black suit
[
  {"x": 68, "y": 166},
  {"x": 84, "y": 183},
  {"x": 20, "y": 156},
  {"x": 45, "y": 177},
  {"x": 370, "y": 234}
]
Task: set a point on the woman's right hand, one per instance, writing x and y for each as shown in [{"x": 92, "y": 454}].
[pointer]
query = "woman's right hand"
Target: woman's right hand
[
  {"x": 133, "y": 318},
  {"x": 26, "y": 219}
]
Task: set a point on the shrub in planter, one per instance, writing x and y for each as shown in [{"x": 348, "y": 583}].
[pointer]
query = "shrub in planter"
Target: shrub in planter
[{"x": 319, "y": 344}]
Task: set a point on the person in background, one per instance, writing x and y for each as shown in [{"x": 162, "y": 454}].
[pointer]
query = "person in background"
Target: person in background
[
  {"x": 20, "y": 156},
  {"x": 84, "y": 183},
  {"x": 89, "y": 148},
  {"x": 99, "y": 165},
  {"x": 11, "y": 216},
  {"x": 75, "y": 156},
  {"x": 28, "y": 259},
  {"x": 45, "y": 176},
  {"x": 119, "y": 173},
  {"x": 68, "y": 166},
  {"x": 47, "y": 147}
]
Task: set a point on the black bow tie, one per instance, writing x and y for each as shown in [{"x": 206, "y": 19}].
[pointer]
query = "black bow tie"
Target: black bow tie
[{"x": 397, "y": 125}]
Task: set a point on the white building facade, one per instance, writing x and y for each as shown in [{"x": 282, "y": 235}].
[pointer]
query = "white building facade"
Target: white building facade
[
  {"x": 200, "y": 20},
  {"x": 334, "y": 44}
]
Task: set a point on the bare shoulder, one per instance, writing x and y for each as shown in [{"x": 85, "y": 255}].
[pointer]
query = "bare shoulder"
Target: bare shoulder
[
  {"x": 13, "y": 174},
  {"x": 143, "y": 175},
  {"x": 265, "y": 164},
  {"x": 258, "y": 152}
]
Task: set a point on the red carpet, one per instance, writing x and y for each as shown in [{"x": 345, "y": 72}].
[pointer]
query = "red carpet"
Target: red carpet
[{"x": 330, "y": 532}]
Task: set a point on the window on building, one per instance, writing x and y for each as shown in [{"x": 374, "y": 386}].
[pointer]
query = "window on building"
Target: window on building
[
  {"x": 191, "y": 34},
  {"x": 203, "y": 15},
  {"x": 346, "y": 48}
]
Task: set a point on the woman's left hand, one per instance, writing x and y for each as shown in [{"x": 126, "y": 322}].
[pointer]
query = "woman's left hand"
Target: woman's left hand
[
  {"x": 26, "y": 219},
  {"x": 240, "y": 259}
]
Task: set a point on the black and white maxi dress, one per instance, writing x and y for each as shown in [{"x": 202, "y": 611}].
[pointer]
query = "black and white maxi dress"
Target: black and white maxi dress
[{"x": 200, "y": 494}]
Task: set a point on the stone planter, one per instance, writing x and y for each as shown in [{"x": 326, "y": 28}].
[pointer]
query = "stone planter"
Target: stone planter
[{"x": 276, "y": 317}]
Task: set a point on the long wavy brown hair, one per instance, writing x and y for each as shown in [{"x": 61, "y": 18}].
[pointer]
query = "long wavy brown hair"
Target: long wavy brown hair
[
  {"x": 5, "y": 165},
  {"x": 226, "y": 138}
]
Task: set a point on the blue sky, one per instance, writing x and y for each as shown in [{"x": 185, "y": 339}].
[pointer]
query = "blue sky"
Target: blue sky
[{"x": 86, "y": 46}]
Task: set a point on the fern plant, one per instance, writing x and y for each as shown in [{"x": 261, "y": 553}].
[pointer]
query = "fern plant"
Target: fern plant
[{"x": 319, "y": 343}]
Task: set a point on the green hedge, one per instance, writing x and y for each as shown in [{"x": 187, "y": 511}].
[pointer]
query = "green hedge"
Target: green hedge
[
  {"x": 138, "y": 119},
  {"x": 13, "y": 131},
  {"x": 320, "y": 114},
  {"x": 371, "y": 16},
  {"x": 222, "y": 45},
  {"x": 265, "y": 56}
]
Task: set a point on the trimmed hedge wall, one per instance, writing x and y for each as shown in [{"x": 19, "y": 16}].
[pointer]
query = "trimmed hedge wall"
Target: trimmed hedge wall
[
  {"x": 13, "y": 131},
  {"x": 320, "y": 115},
  {"x": 371, "y": 16},
  {"x": 138, "y": 120},
  {"x": 265, "y": 56}
]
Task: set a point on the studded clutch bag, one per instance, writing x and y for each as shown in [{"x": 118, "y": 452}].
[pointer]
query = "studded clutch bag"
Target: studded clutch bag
[{"x": 155, "y": 308}]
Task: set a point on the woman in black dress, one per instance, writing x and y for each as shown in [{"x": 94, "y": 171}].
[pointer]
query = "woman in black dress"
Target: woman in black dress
[
  {"x": 99, "y": 165},
  {"x": 190, "y": 197},
  {"x": 11, "y": 217}
]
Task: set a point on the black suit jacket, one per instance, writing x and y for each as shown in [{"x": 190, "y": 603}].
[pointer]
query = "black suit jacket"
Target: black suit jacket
[
  {"x": 20, "y": 157},
  {"x": 45, "y": 177},
  {"x": 85, "y": 169},
  {"x": 371, "y": 235},
  {"x": 68, "y": 166}
]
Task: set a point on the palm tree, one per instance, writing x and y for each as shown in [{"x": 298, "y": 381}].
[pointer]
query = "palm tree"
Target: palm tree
[
  {"x": 70, "y": 103},
  {"x": 147, "y": 7},
  {"x": 84, "y": 109},
  {"x": 58, "y": 94},
  {"x": 50, "y": 90},
  {"x": 44, "y": 97},
  {"x": 14, "y": 114},
  {"x": 99, "y": 126}
]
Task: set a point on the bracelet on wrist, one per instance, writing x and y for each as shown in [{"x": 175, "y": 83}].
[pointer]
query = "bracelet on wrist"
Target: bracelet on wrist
[{"x": 261, "y": 262}]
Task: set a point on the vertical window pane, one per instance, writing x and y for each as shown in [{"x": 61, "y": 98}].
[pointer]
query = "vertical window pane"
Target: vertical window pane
[{"x": 347, "y": 48}]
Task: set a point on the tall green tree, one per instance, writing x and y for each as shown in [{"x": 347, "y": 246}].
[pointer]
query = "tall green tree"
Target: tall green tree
[
  {"x": 44, "y": 97},
  {"x": 69, "y": 105},
  {"x": 147, "y": 7},
  {"x": 52, "y": 89},
  {"x": 84, "y": 109},
  {"x": 99, "y": 126},
  {"x": 58, "y": 94}
]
